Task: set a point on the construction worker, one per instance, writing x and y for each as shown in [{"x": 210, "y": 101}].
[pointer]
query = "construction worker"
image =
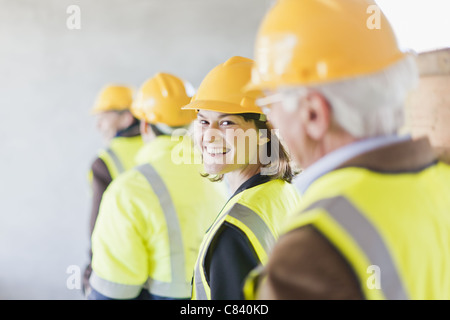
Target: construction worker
[
  {"x": 374, "y": 221},
  {"x": 120, "y": 132},
  {"x": 262, "y": 196},
  {"x": 152, "y": 217}
]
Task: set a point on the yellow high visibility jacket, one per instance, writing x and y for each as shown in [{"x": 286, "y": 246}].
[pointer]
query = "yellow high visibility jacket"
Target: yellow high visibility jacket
[
  {"x": 151, "y": 222},
  {"x": 121, "y": 153},
  {"x": 392, "y": 228},
  {"x": 259, "y": 213}
]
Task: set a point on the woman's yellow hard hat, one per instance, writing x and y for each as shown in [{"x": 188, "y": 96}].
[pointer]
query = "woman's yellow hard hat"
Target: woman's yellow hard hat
[{"x": 222, "y": 89}]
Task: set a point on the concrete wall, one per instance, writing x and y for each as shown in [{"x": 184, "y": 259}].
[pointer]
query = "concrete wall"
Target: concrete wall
[
  {"x": 428, "y": 107},
  {"x": 49, "y": 76}
]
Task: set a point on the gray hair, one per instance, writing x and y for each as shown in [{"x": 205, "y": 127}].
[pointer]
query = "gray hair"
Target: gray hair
[{"x": 372, "y": 105}]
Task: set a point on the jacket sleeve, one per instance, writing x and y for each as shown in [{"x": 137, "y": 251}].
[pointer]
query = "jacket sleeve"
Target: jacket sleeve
[
  {"x": 229, "y": 260},
  {"x": 120, "y": 261},
  {"x": 101, "y": 178},
  {"x": 95, "y": 295},
  {"x": 305, "y": 265}
]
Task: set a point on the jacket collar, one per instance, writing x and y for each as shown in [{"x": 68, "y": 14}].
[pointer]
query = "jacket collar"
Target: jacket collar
[
  {"x": 131, "y": 131},
  {"x": 407, "y": 156},
  {"x": 154, "y": 149},
  {"x": 384, "y": 154},
  {"x": 254, "y": 181},
  {"x": 163, "y": 146}
]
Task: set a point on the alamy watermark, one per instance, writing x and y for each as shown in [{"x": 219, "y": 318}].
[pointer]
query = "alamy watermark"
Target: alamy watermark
[
  {"x": 73, "y": 280},
  {"x": 374, "y": 279},
  {"x": 73, "y": 21},
  {"x": 232, "y": 146},
  {"x": 374, "y": 20},
  {"x": 74, "y": 277}
]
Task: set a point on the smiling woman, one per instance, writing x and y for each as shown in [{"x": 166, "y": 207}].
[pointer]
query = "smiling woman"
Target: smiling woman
[
  {"x": 233, "y": 135},
  {"x": 222, "y": 139},
  {"x": 240, "y": 143}
]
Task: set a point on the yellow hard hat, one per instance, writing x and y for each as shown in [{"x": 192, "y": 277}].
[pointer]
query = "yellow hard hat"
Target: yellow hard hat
[
  {"x": 222, "y": 89},
  {"x": 307, "y": 42},
  {"x": 160, "y": 99},
  {"x": 113, "y": 98}
]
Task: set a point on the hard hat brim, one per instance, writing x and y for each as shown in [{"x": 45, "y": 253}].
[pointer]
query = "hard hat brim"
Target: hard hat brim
[{"x": 220, "y": 106}]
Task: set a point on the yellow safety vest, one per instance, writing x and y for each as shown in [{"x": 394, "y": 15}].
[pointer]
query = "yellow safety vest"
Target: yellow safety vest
[
  {"x": 121, "y": 153},
  {"x": 259, "y": 213},
  {"x": 151, "y": 222},
  {"x": 393, "y": 229}
]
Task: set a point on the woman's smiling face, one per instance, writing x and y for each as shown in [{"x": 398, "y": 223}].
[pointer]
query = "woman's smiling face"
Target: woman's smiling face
[{"x": 228, "y": 142}]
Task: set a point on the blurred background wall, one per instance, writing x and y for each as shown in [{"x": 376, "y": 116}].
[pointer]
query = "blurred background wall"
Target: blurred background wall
[{"x": 49, "y": 77}]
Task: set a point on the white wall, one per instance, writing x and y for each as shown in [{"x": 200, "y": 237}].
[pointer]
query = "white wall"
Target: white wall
[
  {"x": 49, "y": 76},
  {"x": 420, "y": 25}
]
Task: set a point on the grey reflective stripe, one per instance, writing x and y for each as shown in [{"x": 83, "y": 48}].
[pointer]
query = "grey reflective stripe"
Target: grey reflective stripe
[
  {"x": 116, "y": 160},
  {"x": 200, "y": 293},
  {"x": 114, "y": 290},
  {"x": 255, "y": 223},
  {"x": 177, "y": 262},
  {"x": 369, "y": 240},
  {"x": 180, "y": 290}
]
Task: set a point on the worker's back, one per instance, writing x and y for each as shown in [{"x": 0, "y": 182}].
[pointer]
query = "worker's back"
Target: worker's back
[
  {"x": 391, "y": 222},
  {"x": 163, "y": 209}
]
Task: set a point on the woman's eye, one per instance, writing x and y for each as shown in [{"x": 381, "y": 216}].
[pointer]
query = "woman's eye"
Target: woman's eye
[
  {"x": 226, "y": 123},
  {"x": 203, "y": 122}
]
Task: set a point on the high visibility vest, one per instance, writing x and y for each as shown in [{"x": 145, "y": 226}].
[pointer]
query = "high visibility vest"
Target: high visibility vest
[
  {"x": 393, "y": 229},
  {"x": 151, "y": 222},
  {"x": 121, "y": 153},
  {"x": 259, "y": 213}
]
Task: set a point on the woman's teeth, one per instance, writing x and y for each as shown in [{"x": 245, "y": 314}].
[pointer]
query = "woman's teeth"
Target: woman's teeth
[{"x": 215, "y": 151}]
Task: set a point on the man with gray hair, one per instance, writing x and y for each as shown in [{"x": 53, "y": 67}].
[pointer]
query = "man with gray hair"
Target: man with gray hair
[{"x": 374, "y": 222}]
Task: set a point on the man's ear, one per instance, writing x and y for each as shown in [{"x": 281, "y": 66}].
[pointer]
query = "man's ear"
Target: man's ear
[
  {"x": 146, "y": 131},
  {"x": 144, "y": 127},
  {"x": 316, "y": 116}
]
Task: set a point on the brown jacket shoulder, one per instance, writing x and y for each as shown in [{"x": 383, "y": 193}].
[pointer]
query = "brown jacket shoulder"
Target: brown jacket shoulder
[{"x": 305, "y": 265}]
